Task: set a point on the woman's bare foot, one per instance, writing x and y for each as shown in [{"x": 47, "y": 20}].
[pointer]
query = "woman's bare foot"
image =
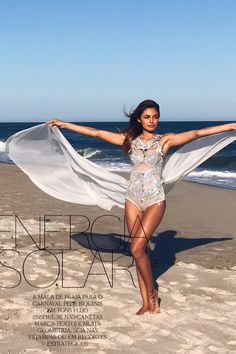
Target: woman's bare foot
[
  {"x": 144, "y": 308},
  {"x": 153, "y": 300}
]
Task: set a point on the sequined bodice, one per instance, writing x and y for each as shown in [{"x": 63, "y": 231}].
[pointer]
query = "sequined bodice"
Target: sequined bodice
[{"x": 146, "y": 167}]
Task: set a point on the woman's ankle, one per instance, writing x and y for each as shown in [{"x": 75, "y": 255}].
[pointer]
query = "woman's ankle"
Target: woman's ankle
[{"x": 150, "y": 292}]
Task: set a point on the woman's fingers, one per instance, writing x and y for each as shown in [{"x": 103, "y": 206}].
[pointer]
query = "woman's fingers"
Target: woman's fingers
[
  {"x": 55, "y": 122},
  {"x": 50, "y": 122}
]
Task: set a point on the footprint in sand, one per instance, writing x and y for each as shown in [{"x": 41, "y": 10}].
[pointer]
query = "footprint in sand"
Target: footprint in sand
[
  {"x": 216, "y": 291},
  {"x": 214, "y": 349},
  {"x": 163, "y": 332},
  {"x": 151, "y": 340},
  {"x": 164, "y": 290},
  {"x": 232, "y": 342},
  {"x": 190, "y": 276},
  {"x": 192, "y": 266},
  {"x": 230, "y": 303},
  {"x": 178, "y": 297},
  {"x": 205, "y": 316},
  {"x": 171, "y": 312},
  {"x": 187, "y": 285},
  {"x": 211, "y": 271},
  {"x": 123, "y": 339},
  {"x": 221, "y": 319},
  {"x": 197, "y": 350}
]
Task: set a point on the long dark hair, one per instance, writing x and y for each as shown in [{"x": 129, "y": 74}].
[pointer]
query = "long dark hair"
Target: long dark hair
[{"x": 135, "y": 127}]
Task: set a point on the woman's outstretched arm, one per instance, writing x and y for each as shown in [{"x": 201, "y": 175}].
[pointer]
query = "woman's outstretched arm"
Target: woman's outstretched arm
[
  {"x": 172, "y": 139},
  {"x": 110, "y": 137}
]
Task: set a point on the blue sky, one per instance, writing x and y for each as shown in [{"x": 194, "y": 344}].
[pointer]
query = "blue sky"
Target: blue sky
[{"x": 83, "y": 60}]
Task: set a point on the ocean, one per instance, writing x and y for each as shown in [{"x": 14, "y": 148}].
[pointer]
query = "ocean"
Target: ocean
[{"x": 219, "y": 170}]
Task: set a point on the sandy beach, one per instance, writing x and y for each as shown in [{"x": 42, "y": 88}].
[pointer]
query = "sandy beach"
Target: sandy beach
[{"x": 78, "y": 291}]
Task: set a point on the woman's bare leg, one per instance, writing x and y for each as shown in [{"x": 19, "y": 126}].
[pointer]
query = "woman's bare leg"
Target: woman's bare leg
[
  {"x": 143, "y": 291},
  {"x": 133, "y": 219},
  {"x": 150, "y": 220},
  {"x": 140, "y": 235},
  {"x": 141, "y": 226}
]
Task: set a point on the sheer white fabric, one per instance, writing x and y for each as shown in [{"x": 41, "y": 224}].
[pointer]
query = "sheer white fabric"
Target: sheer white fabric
[
  {"x": 47, "y": 157},
  {"x": 2, "y": 146},
  {"x": 191, "y": 155}
]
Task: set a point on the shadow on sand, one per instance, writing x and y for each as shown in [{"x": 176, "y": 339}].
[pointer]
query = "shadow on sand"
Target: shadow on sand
[{"x": 162, "y": 248}]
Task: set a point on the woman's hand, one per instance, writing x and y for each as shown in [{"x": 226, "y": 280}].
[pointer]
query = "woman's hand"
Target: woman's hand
[{"x": 56, "y": 123}]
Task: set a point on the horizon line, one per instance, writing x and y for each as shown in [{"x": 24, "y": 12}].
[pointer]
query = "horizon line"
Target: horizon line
[{"x": 120, "y": 121}]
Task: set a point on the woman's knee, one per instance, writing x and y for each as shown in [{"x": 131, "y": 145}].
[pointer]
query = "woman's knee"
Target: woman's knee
[{"x": 137, "y": 251}]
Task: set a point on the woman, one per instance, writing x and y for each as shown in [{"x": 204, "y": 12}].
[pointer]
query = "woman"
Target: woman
[{"x": 145, "y": 197}]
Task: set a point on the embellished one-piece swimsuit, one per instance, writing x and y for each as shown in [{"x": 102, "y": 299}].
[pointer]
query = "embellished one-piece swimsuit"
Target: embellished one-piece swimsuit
[{"x": 145, "y": 186}]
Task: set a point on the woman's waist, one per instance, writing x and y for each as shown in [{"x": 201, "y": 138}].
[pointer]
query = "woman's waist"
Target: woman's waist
[
  {"x": 142, "y": 190},
  {"x": 142, "y": 174},
  {"x": 145, "y": 181}
]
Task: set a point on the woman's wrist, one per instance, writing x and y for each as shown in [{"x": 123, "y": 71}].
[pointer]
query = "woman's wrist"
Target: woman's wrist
[
  {"x": 232, "y": 126},
  {"x": 65, "y": 125}
]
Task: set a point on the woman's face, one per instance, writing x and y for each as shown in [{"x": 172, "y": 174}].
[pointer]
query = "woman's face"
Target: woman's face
[{"x": 149, "y": 119}]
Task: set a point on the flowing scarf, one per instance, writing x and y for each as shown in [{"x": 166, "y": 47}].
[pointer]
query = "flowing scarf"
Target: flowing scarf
[{"x": 53, "y": 165}]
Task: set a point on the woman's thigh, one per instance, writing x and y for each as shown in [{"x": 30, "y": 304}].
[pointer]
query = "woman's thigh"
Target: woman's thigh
[
  {"x": 151, "y": 219},
  {"x": 141, "y": 225},
  {"x": 133, "y": 217}
]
